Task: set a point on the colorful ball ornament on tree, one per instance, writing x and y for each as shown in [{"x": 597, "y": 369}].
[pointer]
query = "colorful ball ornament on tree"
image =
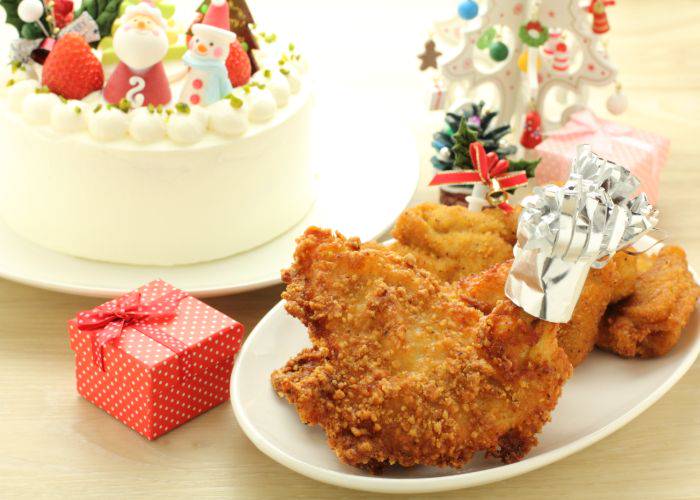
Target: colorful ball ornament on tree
[
  {"x": 468, "y": 9},
  {"x": 486, "y": 38},
  {"x": 617, "y": 102},
  {"x": 498, "y": 51}
]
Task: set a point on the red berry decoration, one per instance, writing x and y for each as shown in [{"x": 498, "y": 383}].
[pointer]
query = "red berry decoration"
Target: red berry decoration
[
  {"x": 238, "y": 65},
  {"x": 72, "y": 70}
]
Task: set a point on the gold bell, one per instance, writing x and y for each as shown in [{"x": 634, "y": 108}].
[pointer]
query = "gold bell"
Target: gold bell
[{"x": 497, "y": 196}]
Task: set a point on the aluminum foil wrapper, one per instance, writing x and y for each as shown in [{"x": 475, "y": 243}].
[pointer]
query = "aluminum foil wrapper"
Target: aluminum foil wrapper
[
  {"x": 21, "y": 49},
  {"x": 565, "y": 231},
  {"x": 83, "y": 25}
]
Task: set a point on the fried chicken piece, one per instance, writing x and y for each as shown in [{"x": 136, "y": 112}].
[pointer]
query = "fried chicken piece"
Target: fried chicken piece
[
  {"x": 452, "y": 242},
  {"x": 578, "y": 336},
  {"x": 649, "y": 323},
  {"x": 402, "y": 371},
  {"x": 627, "y": 269}
]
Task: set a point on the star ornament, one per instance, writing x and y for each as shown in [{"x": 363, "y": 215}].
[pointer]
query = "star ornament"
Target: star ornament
[{"x": 429, "y": 57}]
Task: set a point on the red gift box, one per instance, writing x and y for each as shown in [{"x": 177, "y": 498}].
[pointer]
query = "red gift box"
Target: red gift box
[{"x": 154, "y": 358}]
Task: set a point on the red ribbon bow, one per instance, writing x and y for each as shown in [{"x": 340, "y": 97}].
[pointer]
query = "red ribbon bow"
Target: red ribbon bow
[
  {"x": 111, "y": 318},
  {"x": 489, "y": 170}
]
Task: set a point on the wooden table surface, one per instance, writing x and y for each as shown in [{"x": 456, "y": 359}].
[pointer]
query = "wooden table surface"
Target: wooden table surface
[{"x": 53, "y": 443}]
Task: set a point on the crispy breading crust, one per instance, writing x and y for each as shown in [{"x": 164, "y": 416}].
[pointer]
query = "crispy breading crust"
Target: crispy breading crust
[
  {"x": 649, "y": 322},
  {"x": 578, "y": 336},
  {"x": 402, "y": 370},
  {"x": 453, "y": 242}
]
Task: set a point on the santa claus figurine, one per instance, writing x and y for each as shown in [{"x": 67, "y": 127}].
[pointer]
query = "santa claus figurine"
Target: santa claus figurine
[
  {"x": 141, "y": 43},
  {"x": 532, "y": 133},
  {"x": 208, "y": 80}
]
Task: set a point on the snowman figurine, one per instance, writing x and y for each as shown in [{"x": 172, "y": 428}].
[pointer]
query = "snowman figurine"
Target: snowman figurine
[{"x": 207, "y": 81}]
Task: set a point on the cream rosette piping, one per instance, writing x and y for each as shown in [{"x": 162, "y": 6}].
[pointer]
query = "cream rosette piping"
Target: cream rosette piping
[{"x": 565, "y": 231}]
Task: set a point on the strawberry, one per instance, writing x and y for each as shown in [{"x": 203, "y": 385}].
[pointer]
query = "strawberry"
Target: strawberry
[
  {"x": 238, "y": 65},
  {"x": 72, "y": 70}
]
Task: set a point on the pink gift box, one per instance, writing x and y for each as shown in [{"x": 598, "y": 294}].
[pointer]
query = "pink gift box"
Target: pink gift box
[{"x": 643, "y": 153}]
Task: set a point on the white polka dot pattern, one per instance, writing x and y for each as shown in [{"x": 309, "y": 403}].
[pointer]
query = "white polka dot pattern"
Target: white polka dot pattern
[
  {"x": 643, "y": 153},
  {"x": 145, "y": 384}
]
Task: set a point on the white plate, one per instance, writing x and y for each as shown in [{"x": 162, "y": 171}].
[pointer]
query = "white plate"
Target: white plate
[
  {"x": 605, "y": 393},
  {"x": 363, "y": 186}
]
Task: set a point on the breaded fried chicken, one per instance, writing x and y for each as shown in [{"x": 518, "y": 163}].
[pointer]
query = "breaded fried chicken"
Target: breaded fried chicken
[
  {"x": 452, "y": 242},
  {"x": 402, "y": 370},
  {"x": 649, "y": 322},
  {"x": 578, "y": 336}
]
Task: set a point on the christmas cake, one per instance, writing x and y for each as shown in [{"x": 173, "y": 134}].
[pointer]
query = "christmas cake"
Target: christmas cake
[{"x": 132, "y": 133}]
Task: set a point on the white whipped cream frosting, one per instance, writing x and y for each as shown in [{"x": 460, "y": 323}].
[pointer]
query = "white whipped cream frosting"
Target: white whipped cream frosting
[{"x": 269, "y": 91}]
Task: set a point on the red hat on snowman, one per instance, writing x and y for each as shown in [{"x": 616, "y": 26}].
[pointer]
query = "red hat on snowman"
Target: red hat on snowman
[
  {"x": 215, "y": 27},
  {"x": 218, "y": 15}
]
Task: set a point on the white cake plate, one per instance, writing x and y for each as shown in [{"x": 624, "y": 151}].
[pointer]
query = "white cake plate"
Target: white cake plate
[
  {"x": 605, "y": 393},
  {"x": 368, "y": 173}
]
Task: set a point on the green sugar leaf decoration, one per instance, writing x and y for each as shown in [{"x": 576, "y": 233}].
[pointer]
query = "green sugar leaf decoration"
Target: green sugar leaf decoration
[
  {"x": 124, "y": 105},
  {"x": 236, "y": 103},
  {"x": 183, "y": 108}
]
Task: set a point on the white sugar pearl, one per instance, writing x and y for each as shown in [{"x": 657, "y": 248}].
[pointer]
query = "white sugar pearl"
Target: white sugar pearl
[
  {"x": 37, "y": 107},
  {"x": 185, "y": 128},
  {"x": 146, "y": 126},
  {"x": 17, "y": 93},
  {"x": 69, "y": 117},
  {"x": 30, "y": 11},
  {"x": 108, "y": 124},
  {"x": 278, "y": 85},
  {"x": 227, "y": 120},
  {"x": 262, "y": 106}
]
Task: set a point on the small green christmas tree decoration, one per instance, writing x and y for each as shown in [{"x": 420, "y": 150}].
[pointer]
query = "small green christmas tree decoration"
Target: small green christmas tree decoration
[
  {"x": 451, "y": 144},
  {"x": 474, "y": 123},
  {"x": 177, "y": 47}
]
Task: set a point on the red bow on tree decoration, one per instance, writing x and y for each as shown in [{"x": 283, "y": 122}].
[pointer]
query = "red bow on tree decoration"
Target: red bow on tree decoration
[{"x": 488, "y": 170}]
